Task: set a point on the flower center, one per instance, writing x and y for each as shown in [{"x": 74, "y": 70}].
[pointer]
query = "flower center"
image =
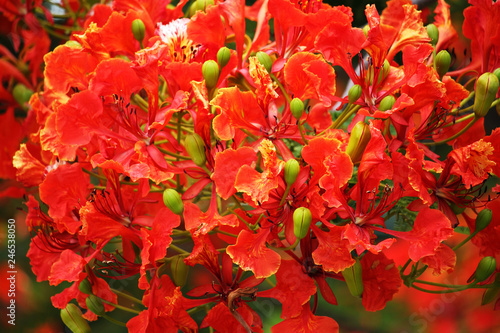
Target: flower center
[{"x": 174, "y": 34}]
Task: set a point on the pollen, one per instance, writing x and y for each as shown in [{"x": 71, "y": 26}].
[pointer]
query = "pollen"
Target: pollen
[
  {"x": 174, "y": 34},
  {"x": 308, "y": 6}
]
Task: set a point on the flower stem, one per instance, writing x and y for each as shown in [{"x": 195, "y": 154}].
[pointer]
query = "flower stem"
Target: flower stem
[{"x": 127, "y": 296}]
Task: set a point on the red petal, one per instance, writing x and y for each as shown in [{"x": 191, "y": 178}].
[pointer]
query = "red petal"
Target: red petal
[
  {"x": 68, "y": 67},
  {"x": 333, "y": 252},
  {"x": 200, "y": 223},
  {"x": 381, "y": 280},
  {"x": 29, "y": 170},
  {"x": 325, "y": 289},
  {"x": 222, "y": 320},
  {"x": 339, "y": 42},
  {"x": 293, "y": 288},
  {"x": 79, "y": 119},
  {"x": 310, "y": 77},
  {"x": 10, "y": 136},
  {"x": 258, "y": 185},
  {"x": 227, "y": 165},
  {"x": 473, "y": 162},
  {"x": 99, "y": 228},
  {"x": 239, "y": 110},
  {"x": 487, "y": 239},
  {"x": 64, "y": 189},
  {"x": 443, "y": 261},
  {"x": 115, "y": 76},
  {"x": 431, "y": 227},
  {"x": 251, "y": 254},
  {"x": 307, "y": 322},
  {"x": 69, "y": 267},
  {"x": 202, "y": 22}
]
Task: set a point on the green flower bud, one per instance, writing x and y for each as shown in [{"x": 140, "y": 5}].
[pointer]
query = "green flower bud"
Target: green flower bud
[
  {"x": 301, "y": 222},
  {"x": 179, "y": 271},
  {"x": 85, "y": 287},
  {"x": 172, "y": 199},
  {"x": 21, "y": 94},
  {"x": 484, "y": 269},
  {"x": 456, "y": 208},
  {"x": 138, "y": 30},
  {"x": 223, "y": 56},
  {"x": 442, "y": 63},
  {"x": 366, "y": 28},
  {"x": 72, "y": 317},
  {"x": 72, "y": 43},
  {"x": 433, "y": 33},
  {"x": 192, "y": 9},
  {"x": 203, "y": 4},
  {"x": 210, "y": 70},
  {"x": 354, "y": 279},
  {"x": 491, "y": 293},
  {"x": 486, "y": 92},
  {"x": 387, "y": 103},
  {"x": 497, "y": 73},
  {"x": 95, "y": 305},
  {"x": 196, "y": 149},
  {"x": 297, "y": 108},
  {"x": 483, "y": 219},
  {"x": 292, "y": 169},
  {"x": 265, "y": 60},
  {"x": 360, "y": 136},
  {"x": 382, "y": 73},
  {"x": 354, "y": 93},
  {"x": 385, "y": 71}
]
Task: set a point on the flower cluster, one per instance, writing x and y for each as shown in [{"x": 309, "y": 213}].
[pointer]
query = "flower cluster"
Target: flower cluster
[{"x": 166, "y": 137}]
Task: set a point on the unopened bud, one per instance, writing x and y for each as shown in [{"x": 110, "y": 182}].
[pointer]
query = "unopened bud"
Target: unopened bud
[
  {"x": 484, "y": 269},
  {"x": 210, "y": 70},
  {"x": 179, "y": 271},
  {"x": 138, "y": 30},
  {"x": 292, "y": 169},
  {"x": 21, "y": 94},
  {"x": 486, "y": 92},
  {"x": 497, "y": 73},
  {"x": 360, "y": 136},
  {"x": 223, "y": 56},
  {"x": 382, "y": 73},
  {"x": 265, "y": 60},
  {"x": 387, "y": 103},
  {"x": 72, "y": 43},
  {"x": 366, "y": 28},
  {"x": 483, "y": 219},
  {"x": 354, "y": 93},
  {"x": 433, "y": 33},
  {"x": 196, "y": 149},
  {"x": 302, "y": 219},
  {"x": 297, "y": 108},
  {"x": 203, "y": 4},
  {"x": 354, "y": 279},
  {"x": 457, "y": 210},
  {"x": 72, "y": 318},
  {"x": 491, "y": 293},
  {"x": 443, "y": 62},
  {"x": 95, "y": 305},
  {"x": 85, "y": 287},
  {"x": 172, "y": 199},
  {"x": 192, "y": 9}
]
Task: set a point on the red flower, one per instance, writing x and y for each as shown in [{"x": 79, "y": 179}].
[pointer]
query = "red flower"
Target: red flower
[
  {"x": 381, "y": 280},
  {"x": 231, "y": 309},
  {"x": 307, "y": 322},
  {"x": 293, "y": 289}
]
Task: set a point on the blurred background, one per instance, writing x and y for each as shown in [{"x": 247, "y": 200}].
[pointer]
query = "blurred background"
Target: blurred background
[{"x": 410, "y": 311}]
